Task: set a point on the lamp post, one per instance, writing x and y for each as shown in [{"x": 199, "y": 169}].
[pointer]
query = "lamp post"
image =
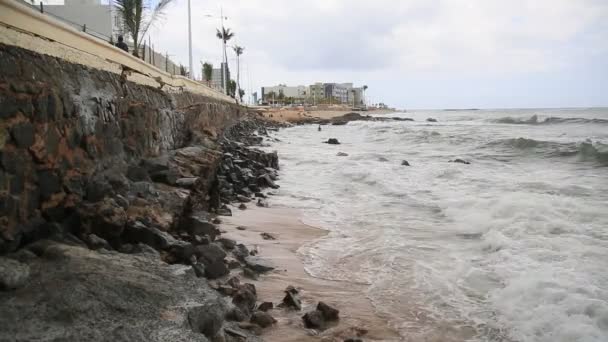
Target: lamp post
[{"x": 190, "y": 41}]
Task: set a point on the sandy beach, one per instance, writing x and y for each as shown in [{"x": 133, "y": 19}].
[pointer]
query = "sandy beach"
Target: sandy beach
[
  {"x": 357, "y": 317},
  {"x": 294, "y": 115}
]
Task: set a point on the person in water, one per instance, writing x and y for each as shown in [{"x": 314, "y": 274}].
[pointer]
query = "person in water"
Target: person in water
[
  {"x": 121, "y": 44},
  {"x": 319, "y": 128}
]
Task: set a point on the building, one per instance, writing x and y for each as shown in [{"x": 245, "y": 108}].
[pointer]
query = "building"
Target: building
[
  {"x": 317, "y": 93},
  {"x": 217, "y": 77},
  {"x": 296, "y": 93},
  {"x": 90, "y": 16}
]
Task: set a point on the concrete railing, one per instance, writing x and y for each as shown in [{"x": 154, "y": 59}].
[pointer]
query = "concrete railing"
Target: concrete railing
[{"x": 24, "y": 27}]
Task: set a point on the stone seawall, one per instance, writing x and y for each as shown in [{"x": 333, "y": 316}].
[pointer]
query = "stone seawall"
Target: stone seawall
[{"x": 70, "y": 135}]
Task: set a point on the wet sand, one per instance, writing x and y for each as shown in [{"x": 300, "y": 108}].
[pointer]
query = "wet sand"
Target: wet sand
[
  {"x": 294, "y": 115},
  {"x": 356, "y": 311}
]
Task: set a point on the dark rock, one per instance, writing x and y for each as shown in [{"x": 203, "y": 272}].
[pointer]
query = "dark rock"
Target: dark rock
[
  {"x": 237, "y": 315},
  {"x": 353, "y": 339},
  {"x": 291, "y": 289},
  {"x": 461, "y": 161},
  {"x": 235, "y": 333},
  {"x": 314, "y": 320},
  {"x": 122, "y": 201},
  {"x": 48, "y": 183},
  {"x": 187, "y": 183},
  {"x": 95, "y": 242},
  {"x": 227, "y": 243},
  {"x": 207, "y": 319},
  {"x": 266, "y": 181},
  {"x": 292, "y": 300},
  {"x": 382, "y": 159},
  {"x": 332, "y": 141},
  {"x": 243, "y": 199},
  {"x": 226, "y": 290},
  {"x": 153, "y": 237},
  {"x": 261, "y": 203},
  {"x": 245, "y": 298},
  {"x": 342, "y": 154},
  {"x": 217, "y": 220},
  {"x": 197, "y": 224},
  {"x": 23, "y": 255},
  {"x": 210, "y": 253},
  {"x": 242, "y": 206},
  {"x": 23, "y": 134},
  {"x": 405, "y": 163},
  {"x": 106, "y": 219},
  {"x": 233, "y": 264},
  {"x": 138, "y": 174},
  {"x": 224, "y": 212},
  {"x": 268, "y": 236},
  {"x": 241, "y": 228},
  {"x": 258, "y": 264},
  {"x": 265, "y": 306},
  {"x": 13, "y": 274},
  {"x": 240, "y": 252},
  {"x": 256, "y": 329},
  {"x": 262, "y": 319},
  {"x": 260, "y": 195},
  {"x": 431, "y": 120},
  {"x": 234, "y": 282},
  {"x": 199, "y": 270},
  {"x": 216, "y": 270},
  {"x": 329, "y": 313}
]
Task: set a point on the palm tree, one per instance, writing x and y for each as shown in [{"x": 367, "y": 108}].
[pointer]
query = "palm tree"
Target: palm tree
[
  {"x": 207, "y": 72},
  {"x": 364, "y": 89},
  {"x": 137, "y": 17},
  {"x": 239, "y": 51},
  {"x": 225, "y": 35}
]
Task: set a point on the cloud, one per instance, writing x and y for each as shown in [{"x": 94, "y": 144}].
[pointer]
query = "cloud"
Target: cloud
[{"x": 386, "y": 41}]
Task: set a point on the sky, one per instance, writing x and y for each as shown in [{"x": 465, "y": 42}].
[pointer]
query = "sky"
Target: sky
[{"x": 410, "y": 53}]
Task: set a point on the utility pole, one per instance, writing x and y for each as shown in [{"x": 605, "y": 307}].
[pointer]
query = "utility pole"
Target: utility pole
[
  {"x": 190, "y": 40},
  {"x": 225, "y": 64}
]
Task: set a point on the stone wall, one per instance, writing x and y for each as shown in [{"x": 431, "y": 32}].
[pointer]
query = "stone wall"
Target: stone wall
[{"x": 63, "y": 124}]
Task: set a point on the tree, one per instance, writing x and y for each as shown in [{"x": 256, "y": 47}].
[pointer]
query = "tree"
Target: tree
[
  {"x": 225, "y": 35},
  {"x": 239, "y": 51},
  {"x": 207, "y": 72},
  {"x": 137, "y": 17},
  {"x": 232, "y": 88},
  {"x": 241, "y": 93}
]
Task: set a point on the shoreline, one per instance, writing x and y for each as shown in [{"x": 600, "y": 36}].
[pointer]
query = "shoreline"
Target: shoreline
[
  {"x": 358, "y": 317},
  {"x": 296, "y": 116}
]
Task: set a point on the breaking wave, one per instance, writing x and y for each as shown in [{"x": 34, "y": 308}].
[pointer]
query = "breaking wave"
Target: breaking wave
[
  {"x": 585, "y": 151},
  {"x": 534, "y": 120}
]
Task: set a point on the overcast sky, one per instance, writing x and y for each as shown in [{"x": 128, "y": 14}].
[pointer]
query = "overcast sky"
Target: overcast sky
[{"x": 411, "y": 53}]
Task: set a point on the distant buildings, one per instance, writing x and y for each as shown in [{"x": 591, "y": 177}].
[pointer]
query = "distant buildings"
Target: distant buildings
[
  {"x": 317, "y": 93},
  {"x": 217, "y": 77}
]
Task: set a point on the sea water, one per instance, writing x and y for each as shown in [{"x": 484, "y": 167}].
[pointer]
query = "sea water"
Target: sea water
[{"x": 512, "y": 247}]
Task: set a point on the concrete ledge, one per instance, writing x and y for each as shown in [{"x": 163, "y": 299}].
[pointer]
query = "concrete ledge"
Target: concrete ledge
[{"x": 22, "y": 26}]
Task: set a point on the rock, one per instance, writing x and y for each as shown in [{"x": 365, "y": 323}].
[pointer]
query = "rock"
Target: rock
[
  {"x": 138, "y": 174},
  {"x": 226, "y": 290},
  {"x": 23, "y": 255},
  {"x": 268, "y": 236},
  {"x": 292, "y": 300},
  {"x": 405, "y": 163},
  {"x": 241, "y": 228},
  {"x": 240, "y": 252},
  {"x": 207, "y": 319},
  {"x": 262, "y": 319},
  {"x": 13, "y": 274},
  {"x": 382, "y": 159},
  {"x": 23, "y": 134},
  {"x": 245, "y": 298},
  {"x": 210, "y": 253},
  {"x": 329, "y": 313},
  {"x": 260, "y": 195},
  {"x": 251, "y": 327},
  {"x": 461, "y": 161},
  {"x": 197, "y": 224},
  {"x": 234, "y": 282},
  {"x": 249, "y": 273},
  {"x": 431, "y": 120},
  {"x": 265, "y": 306},
  {"x": 314, "y": 320},
  {"x": 353, "y": 339},
  {"x": 138, "y": 232},
  {"x": 224, "y": 212},
  {"x": 237, "y": 315},
  {"x": 342, "y": 154},
  {"x": 266, "y": 181},
  {"x": 233, "y": 264},
  {"x": 95, "y": 242},
  {"x": 261, "y": 203},
  {"x": 199, "y": 270},
  {"x": 258, "y": 264},
  {"x": 242, "y": 206},
  {"x": 105, "y": 219},
  {"x": 187, "y": 183},
  {"x": 227, "y": 243},
  {"x": 243, "y": 199},
  {"x": 291, "y": 289},
  {"x": 332, "y": 141},
  {"x": 236, "y": 333},
  {"x": 216, "y": 270},
  {"x": 217, "y": 220}
]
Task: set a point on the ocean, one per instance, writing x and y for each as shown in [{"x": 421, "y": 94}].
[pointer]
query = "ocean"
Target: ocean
[{"x": 511, "y": 247}]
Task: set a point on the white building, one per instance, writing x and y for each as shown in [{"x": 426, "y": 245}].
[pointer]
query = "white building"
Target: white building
[{"x": 298, "y": 92}]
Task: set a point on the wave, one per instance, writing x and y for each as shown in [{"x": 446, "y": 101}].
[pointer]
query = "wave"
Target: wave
[
  {"x": 585, "y": 151},
  {"x": 534, "y": 120}
]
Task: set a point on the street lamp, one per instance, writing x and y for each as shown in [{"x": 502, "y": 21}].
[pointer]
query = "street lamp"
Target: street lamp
[{"x": 190, "y": 41}]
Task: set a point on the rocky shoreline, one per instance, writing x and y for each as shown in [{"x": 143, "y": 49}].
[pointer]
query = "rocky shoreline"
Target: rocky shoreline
[{"x": 143, "y": 258}]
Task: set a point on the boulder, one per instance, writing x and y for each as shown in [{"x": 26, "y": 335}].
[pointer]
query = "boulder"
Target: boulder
[
  {"x": 105, "y": 219},
  {"x": 261, "y": 203},
  {"x": 292, "y": 300},
  {"x": 227, "y": 243},
  {"x": 240, "y": 252},
  {"x": 243, "y": 199},
  {"x": 208, "y": 254},
  {"x": 199, "y": 270},
  {"x": 314, "y": 320},
  {"x": 342, "y": 154},
  {"x": 265, "y": 180},
  {"x": 268, "y": 236},
  {"x": 251, "y": 274},
  {"x": 245, "y": 298},
  {"x": 242, "y": 206},
  {"x": 262, "y": 319},
  {"x": 431, "y": 120},
  {"x": 329, "y": 313},
  {"x": 138, "y": 232},
  {"x": 13, "y": 274},
  {"x": 207, "y": 319},
  {"x": 95, "y": 242},
  {"x": 265, "y": 306},
  {"x": 405, "y": 163},
  {"x": 198, "y": 224},
  {"x": 216, "y": 270},
  {"x": 258, "y": 264},
  {"x": 332, "y": 141},
  {"x": 234, "y": 282}
]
